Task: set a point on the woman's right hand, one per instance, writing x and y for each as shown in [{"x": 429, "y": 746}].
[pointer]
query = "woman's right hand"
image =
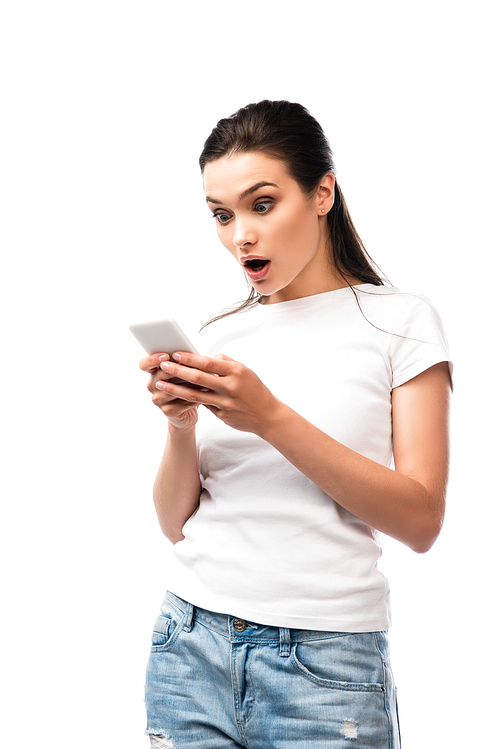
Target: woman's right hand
[{"x": 180, "y": 413}]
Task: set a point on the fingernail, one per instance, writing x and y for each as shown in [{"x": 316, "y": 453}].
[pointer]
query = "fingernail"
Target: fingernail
[
  {"x": 176, "y": 356},
  {"x": 163, "y": 357},
  {"x": 165, "y": 365},
  {"x": 160, "y": 385}
]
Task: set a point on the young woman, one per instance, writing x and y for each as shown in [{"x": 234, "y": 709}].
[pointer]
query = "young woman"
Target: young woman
[{"x": 277, "y": 473}]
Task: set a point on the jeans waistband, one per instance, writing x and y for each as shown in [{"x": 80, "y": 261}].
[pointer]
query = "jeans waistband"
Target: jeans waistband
[{"x": 241, "y": 630}]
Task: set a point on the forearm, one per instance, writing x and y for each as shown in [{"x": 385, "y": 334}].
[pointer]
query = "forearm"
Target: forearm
[
  {"x": 407, "y": 503},
  {"x": 396, "y": 504},
  {"x": 176, "y": 491}
]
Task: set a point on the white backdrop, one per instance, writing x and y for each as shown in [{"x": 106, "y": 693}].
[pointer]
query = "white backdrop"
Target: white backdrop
[{"x": 106, "y": 106}]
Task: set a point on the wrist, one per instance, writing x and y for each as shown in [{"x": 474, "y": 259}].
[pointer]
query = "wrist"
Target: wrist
[
  {"x": 178, "y": 430},
  {"x": 275, "y": 422}
]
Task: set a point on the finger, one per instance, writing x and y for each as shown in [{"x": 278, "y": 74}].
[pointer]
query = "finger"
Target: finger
[
  {"x": 196, "y": 378},
  {"x": 152, "y": 362},
  {"x": 169, "y": 404},
  {"x": 205, "y": 396},
  {"x": 220, "y": 365},
  {"x": 152, "y": 386},
  {"x": 160, "y": 399},
  {"x": 157, "y": 376}
]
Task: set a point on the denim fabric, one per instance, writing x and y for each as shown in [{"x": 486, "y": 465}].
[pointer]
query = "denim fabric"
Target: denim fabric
[{"x": 214, "y": 682}]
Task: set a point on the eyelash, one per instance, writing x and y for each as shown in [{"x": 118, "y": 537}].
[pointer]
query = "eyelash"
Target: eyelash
[{"x": 261, "y": 202}]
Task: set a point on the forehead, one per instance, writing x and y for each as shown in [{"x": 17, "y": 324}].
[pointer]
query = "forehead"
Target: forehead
[{"x": 229, "y": 176}]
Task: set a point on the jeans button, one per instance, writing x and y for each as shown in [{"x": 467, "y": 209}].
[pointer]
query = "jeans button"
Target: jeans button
[{"x": 240, "y": 625}]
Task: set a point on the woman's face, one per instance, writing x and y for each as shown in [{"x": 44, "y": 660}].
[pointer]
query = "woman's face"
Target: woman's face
[{"x": 267, "y": 223}]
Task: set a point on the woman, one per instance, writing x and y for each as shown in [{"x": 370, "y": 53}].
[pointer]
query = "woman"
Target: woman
[{"x": 274, "y": 629}]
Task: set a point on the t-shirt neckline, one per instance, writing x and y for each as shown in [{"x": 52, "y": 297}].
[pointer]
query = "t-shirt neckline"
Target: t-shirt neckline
[{"x": 307, "y": 301}]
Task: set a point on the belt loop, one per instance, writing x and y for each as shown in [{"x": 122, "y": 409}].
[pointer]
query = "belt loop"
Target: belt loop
[
  {"x": 284, "y": 642},
  {"x": 188, "y": 621}
]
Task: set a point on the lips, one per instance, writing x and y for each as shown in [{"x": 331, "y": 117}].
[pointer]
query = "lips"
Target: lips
[{"x": 256, "y": 267}]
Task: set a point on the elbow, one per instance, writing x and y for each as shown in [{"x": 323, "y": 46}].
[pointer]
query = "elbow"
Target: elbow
[
  {"x": 427, "y": 535},
  {"x": 170, "y": 529},
  {"x": 174, "y": 536},
  {"x": 423, "y": 546},
  {"x": 427, "y": 521}
]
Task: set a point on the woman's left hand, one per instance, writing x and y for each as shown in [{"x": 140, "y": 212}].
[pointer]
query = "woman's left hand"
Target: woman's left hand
[{"x": 230, "y": 390}]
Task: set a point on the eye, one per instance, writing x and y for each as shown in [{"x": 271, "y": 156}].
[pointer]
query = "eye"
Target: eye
[
  {"x": 263, "y": 207},
  {"x": 222, "y": 218}
]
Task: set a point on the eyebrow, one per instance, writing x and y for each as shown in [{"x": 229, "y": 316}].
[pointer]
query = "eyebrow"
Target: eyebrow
[{"x": 246, "y": 193}]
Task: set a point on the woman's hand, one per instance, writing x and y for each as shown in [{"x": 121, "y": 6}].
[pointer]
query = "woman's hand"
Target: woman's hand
[
  {"x": 181, "y": 413},
  {"x": 230, "y": 390}
]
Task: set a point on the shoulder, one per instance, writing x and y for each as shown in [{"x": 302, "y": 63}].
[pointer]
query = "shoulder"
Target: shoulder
[
  {"x": 418, "y": 338},
  {"x": 391, "y": 297},
  {"x": 398, "y": 311}
]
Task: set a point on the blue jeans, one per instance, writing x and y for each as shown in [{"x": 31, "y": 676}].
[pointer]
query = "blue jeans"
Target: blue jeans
[{"x": 214, "y": 681}]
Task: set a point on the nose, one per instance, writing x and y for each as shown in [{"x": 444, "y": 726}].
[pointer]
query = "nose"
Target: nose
[{"x": 243, "y": 234}]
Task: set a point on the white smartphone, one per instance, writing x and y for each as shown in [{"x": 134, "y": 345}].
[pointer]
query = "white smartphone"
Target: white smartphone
[{"x": 162, "y": 337}]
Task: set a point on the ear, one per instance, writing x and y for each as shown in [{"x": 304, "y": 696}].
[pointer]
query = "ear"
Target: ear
[{"x": 325, "y": 195}]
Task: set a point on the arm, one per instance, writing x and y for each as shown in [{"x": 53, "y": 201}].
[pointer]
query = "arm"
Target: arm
[
  {"x": 176, "y": 492},
  {"x": 407, "y": 503}
]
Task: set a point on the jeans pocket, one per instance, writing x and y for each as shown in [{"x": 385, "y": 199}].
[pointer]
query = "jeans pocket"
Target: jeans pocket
[
  {"x": 161, "y": 631},
  {"x": 167, "y": 627},
  {"x": 350, "y": 663}
]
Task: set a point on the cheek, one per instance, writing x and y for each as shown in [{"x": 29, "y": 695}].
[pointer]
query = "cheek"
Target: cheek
[{"x": 303, "y": 231}]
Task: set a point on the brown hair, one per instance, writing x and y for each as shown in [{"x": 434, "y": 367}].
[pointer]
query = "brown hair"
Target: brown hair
[{"x": 288, "y": 132}]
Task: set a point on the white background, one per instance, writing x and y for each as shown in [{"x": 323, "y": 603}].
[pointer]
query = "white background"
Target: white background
[{"x": 105, "y": 108}]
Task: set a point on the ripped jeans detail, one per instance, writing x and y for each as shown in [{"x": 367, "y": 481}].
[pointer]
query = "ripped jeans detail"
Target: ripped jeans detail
[{"x": 159, "y": 741}]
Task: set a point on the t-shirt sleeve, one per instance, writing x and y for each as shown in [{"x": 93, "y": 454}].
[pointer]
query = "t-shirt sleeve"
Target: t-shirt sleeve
[{"x": 420, "y": 341}]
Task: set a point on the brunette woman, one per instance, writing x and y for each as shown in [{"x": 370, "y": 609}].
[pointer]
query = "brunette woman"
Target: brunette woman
[{"x": 319, "y": 418}]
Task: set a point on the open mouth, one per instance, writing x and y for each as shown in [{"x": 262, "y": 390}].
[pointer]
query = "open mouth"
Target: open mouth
[
  {"x": 256, "y": 268},
  {"x": 256, "y": 265}
]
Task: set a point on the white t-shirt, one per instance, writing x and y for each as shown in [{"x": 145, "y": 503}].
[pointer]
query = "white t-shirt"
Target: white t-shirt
[{"x": 266, "y": 544}]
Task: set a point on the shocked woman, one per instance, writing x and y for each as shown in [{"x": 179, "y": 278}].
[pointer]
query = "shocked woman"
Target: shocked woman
[{"x": 318, "y": 418}]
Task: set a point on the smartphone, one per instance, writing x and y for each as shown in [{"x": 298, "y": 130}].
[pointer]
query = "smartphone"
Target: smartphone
[{"x": 162, "y": 337}]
